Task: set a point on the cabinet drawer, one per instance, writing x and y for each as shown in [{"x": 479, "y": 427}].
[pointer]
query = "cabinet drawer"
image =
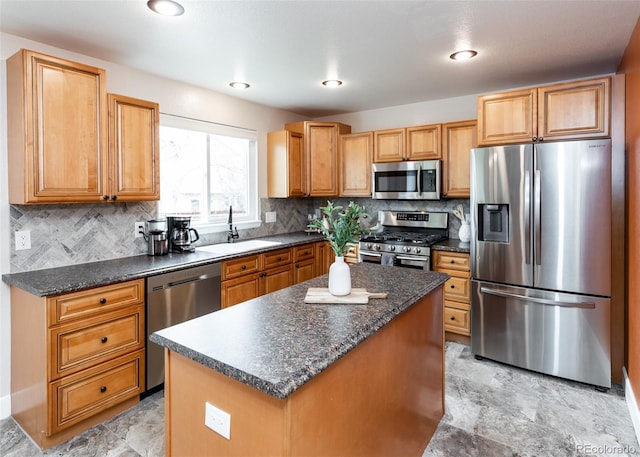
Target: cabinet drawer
[
  {"x": 75, "y": 347},
  {"x": 240, "y": 267},
  {"x": 450, "y": 261},
  {"x": 277, "y": 258},
  {"x": 456, "y": 320},
  {"x": 77, "y": 397},
  {"x": 92, "y": 302},
  {"x": 303, "y": 252},
  {"x": 457, "y": 289}
]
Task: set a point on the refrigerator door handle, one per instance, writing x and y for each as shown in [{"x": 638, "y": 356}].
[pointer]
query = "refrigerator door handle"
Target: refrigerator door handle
[
  {"x": 542, "y": 301},
  {"x": 536, "y": 218},
  {"x": 527, "y": 217}
]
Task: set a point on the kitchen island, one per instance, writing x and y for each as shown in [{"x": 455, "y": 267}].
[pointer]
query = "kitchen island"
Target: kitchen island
[{"x": 311, "y": 379}]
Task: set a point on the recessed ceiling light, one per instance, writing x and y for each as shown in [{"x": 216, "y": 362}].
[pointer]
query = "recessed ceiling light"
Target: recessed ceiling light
[
  {"x": 166, "y": 7},
  {"x": 239, "y": 85},
  {"x": 332, "y": 83},
  {"x": 463, "y": 55}
]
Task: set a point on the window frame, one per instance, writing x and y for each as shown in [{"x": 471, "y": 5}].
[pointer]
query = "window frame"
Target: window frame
[{"x": 252, "y": 219}]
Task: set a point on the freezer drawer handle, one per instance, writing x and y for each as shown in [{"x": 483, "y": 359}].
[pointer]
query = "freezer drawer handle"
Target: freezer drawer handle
[{"x": 542, "y": 301}]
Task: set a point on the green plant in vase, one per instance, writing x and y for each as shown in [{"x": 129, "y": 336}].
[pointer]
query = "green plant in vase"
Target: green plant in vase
[{"x": 341, "y": 226}]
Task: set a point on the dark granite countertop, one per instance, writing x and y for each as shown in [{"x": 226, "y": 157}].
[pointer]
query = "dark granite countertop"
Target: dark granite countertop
[
  {"x": 276, "y": 343},
  {"x": 452, "y": 245},
  {"x": 54, "y": 281}
]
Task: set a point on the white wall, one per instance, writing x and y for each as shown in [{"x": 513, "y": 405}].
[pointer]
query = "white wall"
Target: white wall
[{"x": 174, "y": 98}]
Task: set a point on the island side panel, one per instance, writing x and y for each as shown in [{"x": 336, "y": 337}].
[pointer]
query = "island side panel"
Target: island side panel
[
  {"x": 257, "y": 419},
  {"x": 386, "y": 397}
]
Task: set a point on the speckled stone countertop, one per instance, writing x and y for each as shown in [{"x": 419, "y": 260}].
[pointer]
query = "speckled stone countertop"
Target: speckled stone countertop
[
  {"x": 452, "y": 245},
  {"x": 276, "y": 343},
  {"x": 54, "y": 281}
]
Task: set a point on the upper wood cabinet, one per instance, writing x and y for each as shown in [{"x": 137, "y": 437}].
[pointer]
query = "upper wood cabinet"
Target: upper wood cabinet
[
  {"x": 412, "y": 143},
  {"x": 57, "y": 130},
  {"x": 458, "y": 138},
  {"x": 286, "y": 171},
  {"x": 321, "y": 155},
  {"x": 356, "y": 152},
  {"x": 134, "y": 157},
  {"x": 388, "y": 145},
  {"x": 69, "y": 143},
  {"x": 573, "y": 110},
  {"x": 423, "y": 142}
]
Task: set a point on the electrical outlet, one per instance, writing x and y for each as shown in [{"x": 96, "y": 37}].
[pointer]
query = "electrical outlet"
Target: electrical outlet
[
  {"x": 270, "y": 216},
  {"x": 217, "y": 420},
  {"x": 139, "y": 229},
  {"x": 23, "y": 240}
]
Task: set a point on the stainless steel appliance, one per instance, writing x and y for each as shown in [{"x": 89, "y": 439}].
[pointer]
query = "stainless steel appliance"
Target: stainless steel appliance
[
  {"x": 173, "y": 298},
  {"x": 156, "y": 236},
  {"x": 405, "y": 238},
  {"x": 541, "y": 257},
  {"x": 181, "y": 235},
  {"x": 406, "y": 180}
]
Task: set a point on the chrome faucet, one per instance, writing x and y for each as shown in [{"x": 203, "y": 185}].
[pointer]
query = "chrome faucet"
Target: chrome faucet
[{"x": 232, "y": 234}]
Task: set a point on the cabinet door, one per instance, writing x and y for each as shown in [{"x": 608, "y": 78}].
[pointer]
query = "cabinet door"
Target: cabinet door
[
  {"x": 133, "y": 149},
  {"x": 276, "y": 278},
  {"x": 507, "y": 118},
  {"x": 304, "y": 270},
  {"x": 356, "y": 152},
  {"x": 423, "y": 142},
  {"x": 324, "y": 257},
  {"x": 322, "y": 155},
  {"x": 458, "y": 139},
  {"x": 388, "y": 145},
  {"x": 574, "y": 110},
  {"x": 57, "y": 123},
  {"x": 237, "y": 290},
  {"x": 286, "y": 169}
]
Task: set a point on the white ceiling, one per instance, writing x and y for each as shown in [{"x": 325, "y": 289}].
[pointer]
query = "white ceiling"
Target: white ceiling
[{"x": 387, "y": 53}]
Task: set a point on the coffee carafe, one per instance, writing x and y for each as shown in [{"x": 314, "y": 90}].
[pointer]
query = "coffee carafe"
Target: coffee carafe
[{"x": 181, "y": 235}]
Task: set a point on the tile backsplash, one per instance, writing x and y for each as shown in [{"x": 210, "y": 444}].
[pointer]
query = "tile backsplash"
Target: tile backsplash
[{"x": 80, "y": 233}]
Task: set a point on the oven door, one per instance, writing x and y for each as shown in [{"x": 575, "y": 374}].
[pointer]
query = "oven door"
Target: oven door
[
  {"x": 370, "y": 257},
  {"x": 412, "y": 261}
]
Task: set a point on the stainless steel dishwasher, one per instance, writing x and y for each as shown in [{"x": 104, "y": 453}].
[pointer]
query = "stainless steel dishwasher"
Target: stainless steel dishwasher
[{"x": 173, "y": 298}]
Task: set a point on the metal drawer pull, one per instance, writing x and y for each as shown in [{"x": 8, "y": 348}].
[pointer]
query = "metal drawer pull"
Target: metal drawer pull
[
  {"x": 104, "y": 339},
  {"x": 103, "y": 389},
  {"x": 542, "y": 301}
]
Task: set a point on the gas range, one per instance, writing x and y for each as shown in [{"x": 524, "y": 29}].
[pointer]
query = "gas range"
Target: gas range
[{"x": 405, "y": 238}]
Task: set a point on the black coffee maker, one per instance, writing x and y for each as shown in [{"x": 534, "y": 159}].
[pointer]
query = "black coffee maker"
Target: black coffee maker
[{"x": 181, "y": 235}]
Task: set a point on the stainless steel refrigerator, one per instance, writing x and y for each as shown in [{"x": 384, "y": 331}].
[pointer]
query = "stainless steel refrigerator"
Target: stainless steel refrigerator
[{"x": 541, "y": 257}]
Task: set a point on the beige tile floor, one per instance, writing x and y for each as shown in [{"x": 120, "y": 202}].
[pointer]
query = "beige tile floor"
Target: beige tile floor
[{"x": 492, "y": 410}]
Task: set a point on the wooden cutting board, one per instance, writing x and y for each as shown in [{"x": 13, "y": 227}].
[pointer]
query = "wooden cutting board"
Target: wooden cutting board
[{"x": 358, "y": 296}]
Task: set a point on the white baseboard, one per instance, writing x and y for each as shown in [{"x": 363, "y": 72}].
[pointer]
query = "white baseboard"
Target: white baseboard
[
  {"x": 632, "y": 404},
  {"x": 5, "y": 406}
]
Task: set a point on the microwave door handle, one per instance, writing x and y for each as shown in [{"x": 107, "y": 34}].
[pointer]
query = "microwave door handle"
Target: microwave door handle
[{"x": 419, "y": 178}]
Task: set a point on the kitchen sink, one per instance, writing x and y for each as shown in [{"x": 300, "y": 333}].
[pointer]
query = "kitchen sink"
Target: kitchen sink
[{"x": 240, "y": 246}]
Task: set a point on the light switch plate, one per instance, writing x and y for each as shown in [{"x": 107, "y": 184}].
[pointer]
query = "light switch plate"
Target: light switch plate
[
  {"x": 270, "y": 216},
  {"x": 217, "y": 420},
  {"x": 23, "y": 240}
]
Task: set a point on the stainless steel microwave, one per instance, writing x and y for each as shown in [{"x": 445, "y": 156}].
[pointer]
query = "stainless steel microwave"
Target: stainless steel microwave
[{"x": 406, "y": 180}]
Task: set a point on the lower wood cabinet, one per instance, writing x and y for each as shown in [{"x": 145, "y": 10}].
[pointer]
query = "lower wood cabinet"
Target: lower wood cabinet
[
  {"x": 76, "y": 359},
  {"x": 457, "y": 302},
  {"x": 253, "y": 275}
]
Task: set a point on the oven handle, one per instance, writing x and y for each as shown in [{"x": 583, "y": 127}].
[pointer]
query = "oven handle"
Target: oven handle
[
  {"x": 403, "y": 257},
  {"x": 371, "y": 254}
]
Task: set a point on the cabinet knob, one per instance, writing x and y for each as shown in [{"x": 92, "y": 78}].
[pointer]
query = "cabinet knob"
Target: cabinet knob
[
  {"x": 244, "y": 267},
  {"x": 103, "y": 301},
  {"x": 535, "y": 138},
  {"x": 103, "y": 389},
  {"x": 452, "y": 286},
  {"x": 104, "y": 339},
  {"x": 114, "y": 197},
  {"x": 105, "y": 197},
  {"x": 452, "y": 261},
  {"x": 541, "y": 139},
  {"x": 279, "y": 259},
  {"x": 453, "y": 318}
]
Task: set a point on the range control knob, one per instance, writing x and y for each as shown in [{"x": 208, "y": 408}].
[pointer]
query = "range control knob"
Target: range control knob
[
  {"x": 418, "y": 250},
  {"x": 406, "y": 249},
  {"x": 392, "y": 248},
  {"x": 376, "y": 247},
  {"x": 368, "y": 245}
]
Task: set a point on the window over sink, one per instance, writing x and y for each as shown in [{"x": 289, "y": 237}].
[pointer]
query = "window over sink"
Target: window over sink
[{"x": 204, "y": 169}]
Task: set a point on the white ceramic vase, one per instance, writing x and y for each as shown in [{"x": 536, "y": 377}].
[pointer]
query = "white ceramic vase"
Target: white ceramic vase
[
  {"x": 464, "y": 232},
  {"x": 339, "y": 278}
]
